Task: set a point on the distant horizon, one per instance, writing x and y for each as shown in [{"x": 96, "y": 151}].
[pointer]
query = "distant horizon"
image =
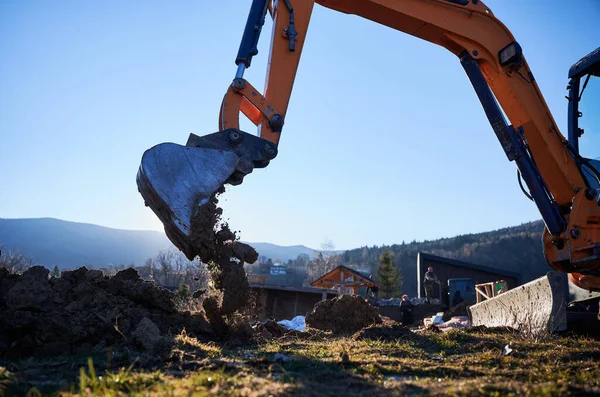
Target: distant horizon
[{"x": 263, "y": 242}]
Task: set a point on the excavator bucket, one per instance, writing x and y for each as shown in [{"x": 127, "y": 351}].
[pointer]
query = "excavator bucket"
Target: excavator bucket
[{"x": 176, "y": 180}]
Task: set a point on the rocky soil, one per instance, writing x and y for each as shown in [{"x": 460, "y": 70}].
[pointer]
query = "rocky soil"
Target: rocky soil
[
  {"x": 343, "y": 315},
  {"x": 84, "y": 311}
]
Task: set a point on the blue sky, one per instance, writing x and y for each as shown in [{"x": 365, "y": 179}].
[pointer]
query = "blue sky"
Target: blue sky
[{"x": 384, "y": 140}]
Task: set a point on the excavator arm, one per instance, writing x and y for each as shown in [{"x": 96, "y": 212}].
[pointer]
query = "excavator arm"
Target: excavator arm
[{"x": 496, "y": 67}]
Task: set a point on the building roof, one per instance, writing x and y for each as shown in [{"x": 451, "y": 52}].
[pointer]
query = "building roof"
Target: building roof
[
  {"x": 421, "y": 256},
  {"x": 333, "y": 278},
  {"x": 293, "y": 289}
]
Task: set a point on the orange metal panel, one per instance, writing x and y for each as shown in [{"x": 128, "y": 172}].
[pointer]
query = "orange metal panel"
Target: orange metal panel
[
  {"x": 242, "y": 96},
  {"x": 283, "y": 64}
]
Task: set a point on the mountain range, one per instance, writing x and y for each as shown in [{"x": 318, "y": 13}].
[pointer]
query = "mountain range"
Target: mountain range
[
  {"x": 50, "y": 242},
  {"x": 69, "y": 245}
]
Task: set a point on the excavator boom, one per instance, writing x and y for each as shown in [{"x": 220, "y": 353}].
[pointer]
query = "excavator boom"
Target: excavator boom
[{"x": 494, "y": 63}]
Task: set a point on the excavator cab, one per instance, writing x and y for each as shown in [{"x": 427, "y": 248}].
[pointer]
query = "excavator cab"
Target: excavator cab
[{"x": 584, "y": 118}]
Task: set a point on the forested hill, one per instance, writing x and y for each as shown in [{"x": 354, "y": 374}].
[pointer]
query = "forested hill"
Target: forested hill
[{"x": 517, "y": 248}]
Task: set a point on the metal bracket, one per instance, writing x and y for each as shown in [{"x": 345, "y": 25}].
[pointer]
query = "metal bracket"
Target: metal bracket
[
  {"x": 243, "y": 97},
  {"x": 253, "y": 151}
]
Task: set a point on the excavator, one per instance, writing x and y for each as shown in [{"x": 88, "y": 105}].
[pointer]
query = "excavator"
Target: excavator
[{"x": 175, "y": 180}]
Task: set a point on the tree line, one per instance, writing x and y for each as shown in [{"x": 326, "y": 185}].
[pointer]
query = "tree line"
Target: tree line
[
  {"x": 169, "y": 268},
  {"x": 515, "y": 249}
]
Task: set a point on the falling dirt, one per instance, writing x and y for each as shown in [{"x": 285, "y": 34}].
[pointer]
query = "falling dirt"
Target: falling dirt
[
  {"x": 217, "y": 246},
  {"x": 344, "y": 315}
]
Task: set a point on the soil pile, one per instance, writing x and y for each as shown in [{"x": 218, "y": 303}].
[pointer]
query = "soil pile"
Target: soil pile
[
  {"x": 268, "y": 330},
  {"x": 217, "y": 246},
  {"x": 384, "y": 332},
  {"x": 458, "y": 310},
  {"x": 84, "y": 311},
  {"x": 265, "y": 331},
  {"x": 344, "y": 314}
]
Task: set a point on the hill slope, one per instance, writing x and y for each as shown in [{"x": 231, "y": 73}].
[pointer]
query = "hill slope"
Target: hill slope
[
  {"x": 67, "y": 244},
  {"x": 282, "y": 253}
]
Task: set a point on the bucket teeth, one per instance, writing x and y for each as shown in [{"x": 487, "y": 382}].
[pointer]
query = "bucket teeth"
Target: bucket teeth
[{"x": 175, "y": 180}]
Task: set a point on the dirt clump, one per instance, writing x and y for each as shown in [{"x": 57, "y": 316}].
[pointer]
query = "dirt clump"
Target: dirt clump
[
  {"x": 84, "y": 310},
  {"x": 384, "y": 332},
  {"x": 147, "y": 333},
  {"x": 482, "y": 329},
  {"x": 457, "y": 310},
  {"x": 217, "y": 246},
  {"x": 210, "y": 304},
  {"x": 344, "y": 315},
  {"x": 269, "y": 329}
]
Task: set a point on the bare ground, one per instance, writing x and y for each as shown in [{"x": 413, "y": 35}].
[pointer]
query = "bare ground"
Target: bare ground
[{"x": 383, "y": 360}]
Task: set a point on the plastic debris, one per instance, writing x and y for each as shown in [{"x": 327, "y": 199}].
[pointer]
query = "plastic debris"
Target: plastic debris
[
  {"x": 455, "y": 322},
  {"x": 507, "y": 350},
  {"x": 437, "y": 319},
  {"x": 389, "y": 302},
  {"x": 298, "y": 323}
]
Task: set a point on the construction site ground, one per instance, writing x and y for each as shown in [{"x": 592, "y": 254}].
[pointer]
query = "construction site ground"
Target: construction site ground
[{"x": 383, "y": 360}]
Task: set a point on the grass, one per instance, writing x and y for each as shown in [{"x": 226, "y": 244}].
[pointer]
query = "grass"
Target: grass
[{"x": 457, "y": 363}]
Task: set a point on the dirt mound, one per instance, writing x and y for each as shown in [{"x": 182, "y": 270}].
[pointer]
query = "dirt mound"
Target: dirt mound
[
  {"x": 84, "y": 311},
  {"x": 270, "y": 329},
  {"x": 265, "y": 331},
  {"x": 458, "y": 310},
  {"x": 384, "y": 332},
  {"x": 344, "y": 314},
  {"x": 217, "y": 246},
  {"x": 482, "y": 329}
]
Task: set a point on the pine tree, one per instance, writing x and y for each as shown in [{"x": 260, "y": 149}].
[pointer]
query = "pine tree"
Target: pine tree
[
  {"x": 55, "y": 272},
  {"x": 389, "y": 276}
]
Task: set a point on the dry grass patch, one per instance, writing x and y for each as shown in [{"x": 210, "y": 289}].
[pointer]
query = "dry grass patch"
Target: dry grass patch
[{"x": 456, "y": 363}]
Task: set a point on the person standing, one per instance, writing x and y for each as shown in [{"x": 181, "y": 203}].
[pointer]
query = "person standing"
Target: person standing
[
  {"x": 406, "y": 307},
  {"x": 429, "y": 281},
  {"x": 373, "y": 293}
]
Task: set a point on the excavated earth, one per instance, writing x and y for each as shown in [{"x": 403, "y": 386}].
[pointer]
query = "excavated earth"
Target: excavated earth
[
  {"x": 343, "y": 315},
  {"x": 84, "y": 311},
  {"x": 216, "y": 245},
  {"x": 385, "y": 332}
]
